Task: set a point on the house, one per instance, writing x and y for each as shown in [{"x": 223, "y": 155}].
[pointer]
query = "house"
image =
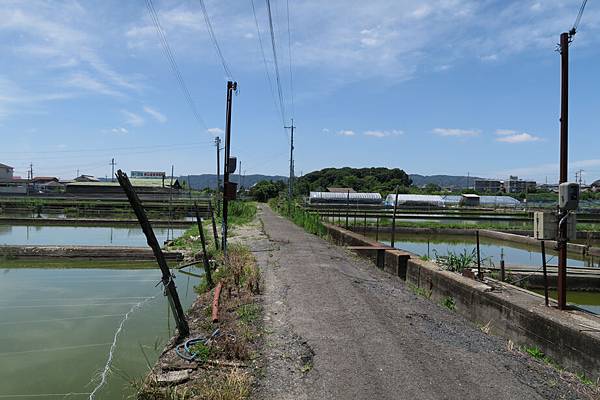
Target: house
[
  {"x": 46, "y": 184},
  {"x": 141, "y": 186},
  {"x": 6, "y": 172},
  {"x": 86, "y": 178}
]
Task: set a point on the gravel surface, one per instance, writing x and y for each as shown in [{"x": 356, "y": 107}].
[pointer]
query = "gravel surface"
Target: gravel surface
[{"x": 339, "y": 328}]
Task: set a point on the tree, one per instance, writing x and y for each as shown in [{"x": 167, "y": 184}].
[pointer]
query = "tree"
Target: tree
[{"x": 264, "y": 190}]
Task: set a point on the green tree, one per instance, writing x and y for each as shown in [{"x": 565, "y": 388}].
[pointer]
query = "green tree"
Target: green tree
[{"x": 264, "y": 190}]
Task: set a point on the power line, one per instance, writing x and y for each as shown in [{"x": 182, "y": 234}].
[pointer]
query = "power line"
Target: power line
[
  {"x": 262, "y": 51},
  {"x": 168, "y": 52},
  {"x": 287, "y": 6},
  {"x": 278, "y": 79},
  {"x": 578, "y": 19},
  {"x": 211, "y": 33}
]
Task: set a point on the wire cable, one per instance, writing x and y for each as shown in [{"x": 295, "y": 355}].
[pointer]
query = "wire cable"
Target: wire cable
[
  {"x": 287, "y": 6},
  {"x": 262, "y": 51},
  {"x": 578, "y": 19},
  {"x": 277, "y": 77},
  {"x": 168, "y": 52},
  {"x": 213, "y": 37}
]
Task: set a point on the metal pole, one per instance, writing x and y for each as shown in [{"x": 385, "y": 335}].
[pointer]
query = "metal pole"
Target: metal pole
[
  {"x": 502, "y": 267},
  {"x": 291, "y": 178},
  {"x": 479, "y": 275},
  {"x": 564, "y": 155},
  {"x": 392, "y": 242},
  {"x": 545, "y": 272},
  {"x": 231, "y": 87},
  {"x": 347, "y": 207},
  {"x": 218, "y": 145}
]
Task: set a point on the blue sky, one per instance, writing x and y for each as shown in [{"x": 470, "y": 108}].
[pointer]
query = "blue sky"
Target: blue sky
[{"x": 433, "y": 87}]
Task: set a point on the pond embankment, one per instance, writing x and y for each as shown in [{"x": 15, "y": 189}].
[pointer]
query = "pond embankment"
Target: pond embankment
[{"x": 572, "y": 337}]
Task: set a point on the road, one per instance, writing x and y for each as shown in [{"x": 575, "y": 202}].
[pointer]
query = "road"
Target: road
[{"x": 338, "y": 328}]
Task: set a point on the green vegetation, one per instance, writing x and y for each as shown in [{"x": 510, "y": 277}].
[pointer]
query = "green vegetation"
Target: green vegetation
[
  {"x": 248, "y": 313},
  {"x": 311, "y": 222},
  {"x": 263, "y": 191},
  {"x": 456, "y": 262},
  {"x": 449, "y": 303},
  {"x": 201, "y": 351},
  {"x": 420, "y": 291},
  {"x": 66, "y": 263},
  {"x": 380, "y": 180}
]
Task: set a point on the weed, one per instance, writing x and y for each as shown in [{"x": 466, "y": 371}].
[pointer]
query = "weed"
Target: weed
[
  {"x": 201, "y": 351},
  {"x": 486, "y": 328},
  {"x": 449, "y": 303},
  {"x": 535, "y": 352},
  {"x": 248, "y": 313},
  {"x": 584, "y": 379},
  {"x": 457, "y": 262},
  {"x": 424, "y": 257},
  {"x": 306, "y": 367},
  {"x": 420, "y": 291}
]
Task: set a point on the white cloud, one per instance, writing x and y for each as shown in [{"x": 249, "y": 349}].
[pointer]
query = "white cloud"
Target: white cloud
[
  {"x": 454, "y": 132},
  {"x": 325, "y": 130},
  {"x": 380, "y": 134},
  {"x": 511, "y": 136},
  {"x": 88, "y": 83},
  {"x": 133, "y": 119},
  {"x": 215, "y": 131},
  {"x": 345, "y": 132},
  {"x": 155, "y": 114},
  {"x": 119, "y": 130}
]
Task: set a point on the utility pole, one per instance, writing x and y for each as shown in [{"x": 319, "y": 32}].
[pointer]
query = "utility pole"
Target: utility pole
[
  {"x": 227, "y": 192},
  {"x": 291, "y": 178},
  {"x": 112, "y": 163},
  {"x": 565, "y": 39},
  {"x": 240, "y": 177},
  {"x": 218, "y": 146},
  {"x": 31, "y": 170}
]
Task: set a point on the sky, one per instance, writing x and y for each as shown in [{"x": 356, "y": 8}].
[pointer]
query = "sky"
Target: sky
[{"x": 433, "y": 87}]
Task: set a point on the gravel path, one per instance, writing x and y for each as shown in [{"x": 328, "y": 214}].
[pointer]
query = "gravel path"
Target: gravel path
[{"x": 338, "y": 328}]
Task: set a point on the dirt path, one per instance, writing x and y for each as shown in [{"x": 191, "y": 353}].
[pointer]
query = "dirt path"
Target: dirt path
[{"x": 338, "y": 328}]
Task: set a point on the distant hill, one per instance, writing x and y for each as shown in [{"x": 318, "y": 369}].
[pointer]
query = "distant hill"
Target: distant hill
[
  {"x": 210, "y": 180},
  {"x": 449, "y": 181}
]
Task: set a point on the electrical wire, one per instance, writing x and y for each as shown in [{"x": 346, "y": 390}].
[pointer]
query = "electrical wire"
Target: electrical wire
[
  {"x": 262, "y": 51},
  {"x": 168, "y": 52},
  {"x": 277, "y": 77},
  {"x": 213, "y": 37},
  {"x": 578, "y": 19},
  {"x": 287, "y": 5}
]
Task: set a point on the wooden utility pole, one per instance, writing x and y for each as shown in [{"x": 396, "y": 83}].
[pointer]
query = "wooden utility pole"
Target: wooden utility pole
[
  {"x": 231, "y": 87},
  {"x": 207, "y": 272},
  {"x": 565, "y": 39},
  {"x": 167, "y": 277}
]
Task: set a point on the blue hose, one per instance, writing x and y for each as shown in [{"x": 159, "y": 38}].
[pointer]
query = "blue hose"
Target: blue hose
[{"x": 184, "y": 351}]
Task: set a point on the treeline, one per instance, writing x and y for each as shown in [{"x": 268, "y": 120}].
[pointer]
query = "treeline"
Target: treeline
[{"x": 379, "y": 180}]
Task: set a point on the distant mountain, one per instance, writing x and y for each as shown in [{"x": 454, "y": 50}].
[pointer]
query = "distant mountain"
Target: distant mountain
[
  {"x": 445, "y": 181},
  {"x": 210, "y": 180}
]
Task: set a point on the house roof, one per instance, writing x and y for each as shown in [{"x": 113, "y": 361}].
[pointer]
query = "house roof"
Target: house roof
[
  {"x": 143, "y": 182},
  {"x": 44, "y": 179},
  {"x": 5, "y": 166}
]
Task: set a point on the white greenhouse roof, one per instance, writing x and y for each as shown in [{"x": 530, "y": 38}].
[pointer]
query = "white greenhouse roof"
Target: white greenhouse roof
[{"x": 344, "y": 196}]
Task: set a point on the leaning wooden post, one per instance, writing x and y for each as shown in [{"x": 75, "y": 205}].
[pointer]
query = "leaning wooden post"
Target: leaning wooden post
[
  {"x": 214, "y": 225},
  {"x": 545, "y": 272},
  {"x": 167, "y": 277},
  {"x": 207, "y": 273},
  {"x": 394, "y": 218}
]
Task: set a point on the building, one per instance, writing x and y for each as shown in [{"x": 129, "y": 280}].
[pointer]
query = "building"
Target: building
[
  {"x": 6, "y": 172},
  {"x": 147, "y": 175},
  {"x": 344, "y": 198},
  {"x": 141, "y": 186},
  {"x": 45, "y": 184},
  {"x": 86, "y": 178},
  {"x": 488, "y": 185},
  {"x": 470, "y": 200},
  {"x": 516, "y": 185}
]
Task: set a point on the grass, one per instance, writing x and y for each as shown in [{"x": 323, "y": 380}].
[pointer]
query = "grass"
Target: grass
[
  {"x": 311, "y": 222},
  {"x": 419, "y": 291},
  {"x": 449, "y": 303},
  {"x": 456, "y": 262},
  {"x": 201, "y": 351},
  {"x": 248, "y": 313}
]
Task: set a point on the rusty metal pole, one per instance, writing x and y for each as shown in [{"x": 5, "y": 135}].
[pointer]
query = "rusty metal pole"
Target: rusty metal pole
[
  {"x": 545, "y": 272},
  {"x": 392, "y": 242},
  {"x": 564, "y": 159}
]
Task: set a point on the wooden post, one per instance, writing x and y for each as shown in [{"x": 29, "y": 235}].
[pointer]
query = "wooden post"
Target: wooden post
[
  {"x": 545, "y": 272},
  {"x": 167, "y": 277},
  {"x": 207, "y": 272},
  {"x": 377, "y": 230},
  {"x": 502, "y": 266},
  {"x": 214, "y": 225}
]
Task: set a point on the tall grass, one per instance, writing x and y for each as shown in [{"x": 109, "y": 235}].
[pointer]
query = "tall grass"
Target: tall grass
[{"x": 311, "y": 222}]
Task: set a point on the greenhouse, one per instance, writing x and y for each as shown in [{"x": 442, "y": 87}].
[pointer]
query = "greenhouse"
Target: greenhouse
[{"x": 343, "y": 198}]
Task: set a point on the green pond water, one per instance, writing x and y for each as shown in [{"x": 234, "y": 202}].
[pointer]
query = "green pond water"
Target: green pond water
[
  {"x": 80, "y": 235},
  {"x": 57, "y": 327}
]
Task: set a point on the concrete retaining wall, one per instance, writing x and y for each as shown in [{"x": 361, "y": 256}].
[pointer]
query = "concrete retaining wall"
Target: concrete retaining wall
[{"x": 572, "y": 338}]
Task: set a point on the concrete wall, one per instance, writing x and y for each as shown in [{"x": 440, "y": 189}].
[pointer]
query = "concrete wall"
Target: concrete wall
[{"x": 572, "y": 338}]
